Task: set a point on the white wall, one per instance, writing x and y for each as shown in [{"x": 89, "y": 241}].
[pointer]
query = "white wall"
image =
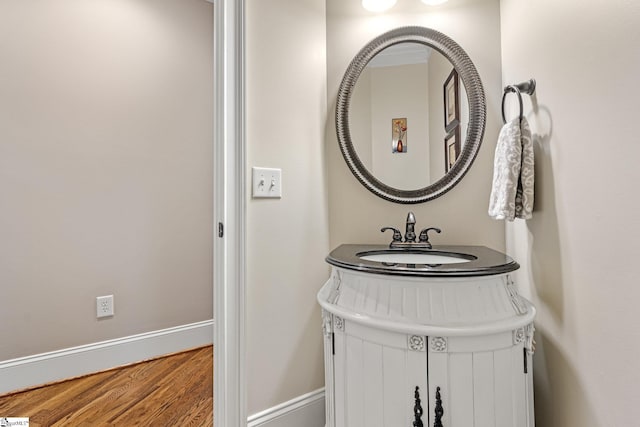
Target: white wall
[
  {"x": 579, "y": 251},
  {"x": 439, "y": 70},
  {"x": 356, "y": 215},
  {"x": 287, "y": 239},
  {"x": 382, "y": 94},
  {"x": 400, "y": 92},
  {"x": 360, "y": 115},
  {"x": 105, "y": 169}
]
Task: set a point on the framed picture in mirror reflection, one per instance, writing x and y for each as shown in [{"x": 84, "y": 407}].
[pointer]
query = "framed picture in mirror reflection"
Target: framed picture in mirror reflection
[
  {"x": 451, "y": 148},
  {"x": 451, "y": 106},
  {"x": 399, "y": 135}
]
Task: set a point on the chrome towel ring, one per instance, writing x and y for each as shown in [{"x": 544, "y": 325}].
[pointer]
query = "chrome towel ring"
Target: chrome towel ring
[{"x": 528, "y": 87}]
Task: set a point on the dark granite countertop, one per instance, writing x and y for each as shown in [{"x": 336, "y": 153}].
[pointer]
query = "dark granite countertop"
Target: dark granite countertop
[{"x": 477, "y": 261}]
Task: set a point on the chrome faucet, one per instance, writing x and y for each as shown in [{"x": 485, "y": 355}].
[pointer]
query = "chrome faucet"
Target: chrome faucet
[{"x": 410, "y": 235}]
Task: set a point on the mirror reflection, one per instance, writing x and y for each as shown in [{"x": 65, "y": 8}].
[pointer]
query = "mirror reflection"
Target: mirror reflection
[{"x": 408, "y": 116}]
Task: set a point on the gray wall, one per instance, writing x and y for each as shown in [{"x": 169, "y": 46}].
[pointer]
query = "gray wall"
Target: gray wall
[
  {"x": 106, "y": 172},
  {"x": 579, "y": 251}
]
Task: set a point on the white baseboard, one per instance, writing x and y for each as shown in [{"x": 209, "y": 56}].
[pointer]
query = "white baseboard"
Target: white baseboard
[
  {"x": 31, "y": 371},
  {"x": 306, "y": 410}
]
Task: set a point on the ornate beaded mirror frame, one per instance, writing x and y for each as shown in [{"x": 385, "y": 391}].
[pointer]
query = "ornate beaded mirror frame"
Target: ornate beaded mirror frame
[{"x": 477, "y": 113}]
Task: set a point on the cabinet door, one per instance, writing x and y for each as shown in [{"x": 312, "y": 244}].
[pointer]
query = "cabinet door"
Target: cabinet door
[
  {"x": 375, "y": 375},
  {"x": 327, "y": 329},
  {"x": 482, "y": 382}
]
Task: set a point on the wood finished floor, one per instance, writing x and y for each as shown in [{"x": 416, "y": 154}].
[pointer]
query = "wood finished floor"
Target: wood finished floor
[{"x": 176, "y": 390}]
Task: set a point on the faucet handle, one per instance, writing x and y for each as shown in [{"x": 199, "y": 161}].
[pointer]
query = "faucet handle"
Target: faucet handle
[
  {"x": 397, "y": 236},
  {"x": 424, "y": 235}
]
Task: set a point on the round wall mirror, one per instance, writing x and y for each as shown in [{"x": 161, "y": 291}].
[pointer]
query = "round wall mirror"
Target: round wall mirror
[{"x": 410, "y": 115}]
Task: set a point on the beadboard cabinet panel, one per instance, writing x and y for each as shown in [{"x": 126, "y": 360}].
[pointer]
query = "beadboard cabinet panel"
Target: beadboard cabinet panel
[{"x": 385, "y": 365}]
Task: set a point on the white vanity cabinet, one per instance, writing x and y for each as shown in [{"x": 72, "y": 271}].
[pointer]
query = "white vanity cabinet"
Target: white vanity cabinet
[{"x": 465, "y": 342}]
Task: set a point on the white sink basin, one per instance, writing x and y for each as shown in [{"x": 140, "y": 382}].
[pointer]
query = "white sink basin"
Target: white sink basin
[{"x": 411, "y": 258}]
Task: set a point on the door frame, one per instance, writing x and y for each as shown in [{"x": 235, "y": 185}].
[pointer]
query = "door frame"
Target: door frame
[{"x": 230, "y": 407}]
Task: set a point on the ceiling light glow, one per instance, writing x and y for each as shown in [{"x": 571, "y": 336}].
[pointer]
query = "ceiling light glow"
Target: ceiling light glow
[{"x": 378, "y": 5}]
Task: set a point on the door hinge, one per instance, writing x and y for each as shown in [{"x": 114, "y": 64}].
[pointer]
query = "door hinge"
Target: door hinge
[
  {"x": 220, "y": 229},
  {"x": 333, "y": 344}
]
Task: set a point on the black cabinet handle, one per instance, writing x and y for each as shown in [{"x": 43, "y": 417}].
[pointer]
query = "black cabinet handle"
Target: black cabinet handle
[
  {"x": 417, "y": 409},
  {"x": 439, "y": 411}
]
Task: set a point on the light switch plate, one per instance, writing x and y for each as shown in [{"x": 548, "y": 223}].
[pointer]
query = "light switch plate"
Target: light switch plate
[{"x": 267, "y": 182}]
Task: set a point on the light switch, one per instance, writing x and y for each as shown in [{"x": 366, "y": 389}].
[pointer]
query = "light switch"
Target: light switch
[{"x": 267, "y": 182}]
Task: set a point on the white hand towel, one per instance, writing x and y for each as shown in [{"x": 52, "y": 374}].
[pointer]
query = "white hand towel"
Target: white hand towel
[{"x": 513, "y": 176}]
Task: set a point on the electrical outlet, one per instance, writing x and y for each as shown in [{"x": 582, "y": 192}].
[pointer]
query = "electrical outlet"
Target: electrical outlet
[{"x": 104, "y": 306}]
